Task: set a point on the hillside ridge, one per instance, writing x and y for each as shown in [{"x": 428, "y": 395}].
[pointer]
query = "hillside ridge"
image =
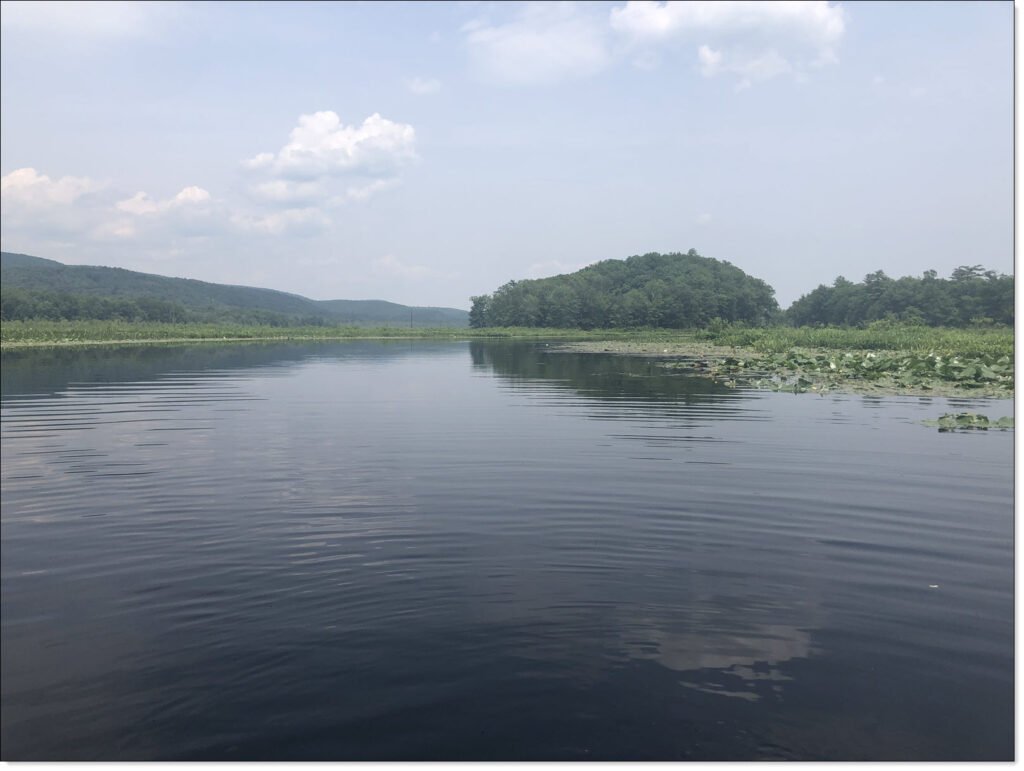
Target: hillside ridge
[{"x": 34, "y": 276}]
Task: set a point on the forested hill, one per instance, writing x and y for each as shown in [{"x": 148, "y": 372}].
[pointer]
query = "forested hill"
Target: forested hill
[
  {"x": 33, "y": 287},
  {"x": 971, "y": 295},
  {"x": 655, "y": 290}
]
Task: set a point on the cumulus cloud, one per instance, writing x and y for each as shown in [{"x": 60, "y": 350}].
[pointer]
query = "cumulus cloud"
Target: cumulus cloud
[
  {"x": 817, "y": 23},
  {"x": 27, "y": 187},
  {"x": 750, "y": 68},
  {"x": 754, "y": 41},
  {"x": 55, "y": 210},
  {"x": 322, "y": 146},
  {"x": 544, "y": 43},
  {"x": 423, "y": 86},
  {"x": 325, "y": 164},
  {"x": 142, "y": 204},
  {"x": 192, "y": 213}
]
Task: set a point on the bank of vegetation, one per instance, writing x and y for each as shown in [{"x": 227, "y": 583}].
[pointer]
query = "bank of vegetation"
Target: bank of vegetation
[
  {"x": 652, "y": 290},
  {"x": 971, "y": 296},
  {"x": 883, "y": 358},
  {"x": 48, "y": 333},
  {"x": 699, "y": 315},
  {"x": 689, "y": 291}
]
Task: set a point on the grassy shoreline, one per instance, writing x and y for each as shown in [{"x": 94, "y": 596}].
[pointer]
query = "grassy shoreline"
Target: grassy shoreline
[
  {"x": 49, "y": 334},
  {"x": 774, "y": 339},
  {"x": 882, "y": 358},
  {"x": 958, "y": 367}
]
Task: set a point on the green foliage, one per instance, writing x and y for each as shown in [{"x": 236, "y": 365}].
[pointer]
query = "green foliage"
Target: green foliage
[
  {"x": 971, "y": 295},
  {"x": 801, "y": 369},
  {"x": 885, "y": 358},
  {"x": 969, "y": 421},
  {"x": 41, "y": 332},
  {"x": 34, "y": 288},
  {"x": 652, "y": 290},
  {"x": 24, "y": 304},
  {"x": 880, "y": 336}
]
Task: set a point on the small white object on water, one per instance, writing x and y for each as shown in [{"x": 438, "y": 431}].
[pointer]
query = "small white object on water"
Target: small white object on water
[{"x": 933, "y": 586}]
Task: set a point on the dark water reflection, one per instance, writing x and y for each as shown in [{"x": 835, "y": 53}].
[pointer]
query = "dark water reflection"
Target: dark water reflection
[{"x": 433, "y": 550}]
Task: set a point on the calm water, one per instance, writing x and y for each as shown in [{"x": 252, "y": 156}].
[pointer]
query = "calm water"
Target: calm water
[{"x": 448, "y": 551}]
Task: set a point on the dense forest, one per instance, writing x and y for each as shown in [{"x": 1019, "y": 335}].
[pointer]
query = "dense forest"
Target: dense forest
[
  {"x": 650, "y": 290},
  {"x": 22, "y": 304},
  {"x": 676, "y": 291},
  {"x": 970, "y": 295},
  {"x": 37, "y": 288},
  {"x": 689, "y": 291}
]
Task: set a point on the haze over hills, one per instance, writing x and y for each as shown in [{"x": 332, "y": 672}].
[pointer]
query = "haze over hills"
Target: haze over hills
[{"x": 25, "y": 278}]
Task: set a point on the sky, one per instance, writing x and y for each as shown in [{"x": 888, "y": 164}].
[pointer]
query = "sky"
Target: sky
[{"x": 427, "y": 152}]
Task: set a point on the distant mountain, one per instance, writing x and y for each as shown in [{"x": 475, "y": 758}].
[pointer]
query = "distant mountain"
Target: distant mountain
[{"x": 27, "y": 278}]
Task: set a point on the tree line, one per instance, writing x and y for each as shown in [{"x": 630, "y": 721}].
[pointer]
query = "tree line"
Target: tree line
[
  {"x": 650, "y": 290},
  {"x": 690, "y": 291},
  {"x": 24, "y": 304},
  {"x": 971, "y": 295}
]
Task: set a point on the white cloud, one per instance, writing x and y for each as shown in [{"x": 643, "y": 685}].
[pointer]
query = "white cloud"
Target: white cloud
[
  {"x": 191, "y": 195},
  {"x": 750, "y": 68},
  {"x": 710, "y": 61},
  {"x": 704, "y": 218},
  {"x": 322, "y": 146},
  {"x": 192, "y": 213},
  {"x": 27, "y": 187},
  {"x": 324, "y": 164},
  {"x": 754, "y": 41},
  {"x": 35, "y": 208},
  {"x": 423, "y": 86},
  {"x": 544, "y": 43},
  {"x": 816, "y": 22},
  {"x": 260, "y": 161},
  {"x": 142, "y": 204}
]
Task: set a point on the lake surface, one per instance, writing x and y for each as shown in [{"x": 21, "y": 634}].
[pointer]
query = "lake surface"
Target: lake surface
[{"x": 421, "y": 550}]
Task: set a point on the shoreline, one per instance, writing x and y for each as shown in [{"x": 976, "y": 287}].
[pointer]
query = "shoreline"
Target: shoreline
[
  {"x": 818, "y": 371},
  {"x": 900, "y": 362}
]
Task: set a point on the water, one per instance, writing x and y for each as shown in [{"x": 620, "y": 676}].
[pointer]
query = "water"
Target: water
[{"x": 490, "y": 551}]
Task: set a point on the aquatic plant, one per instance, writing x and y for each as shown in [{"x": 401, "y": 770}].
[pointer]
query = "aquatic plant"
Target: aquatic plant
[
  {"x": 800, "y": 370},
  {"x": 969, "y": 421}
]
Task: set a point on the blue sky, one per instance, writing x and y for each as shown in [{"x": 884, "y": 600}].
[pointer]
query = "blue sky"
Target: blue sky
[{"x": 427, "y": 152}]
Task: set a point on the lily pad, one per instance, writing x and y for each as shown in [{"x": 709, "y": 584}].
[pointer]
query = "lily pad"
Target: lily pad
[{"x": 969, "y": 421}]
